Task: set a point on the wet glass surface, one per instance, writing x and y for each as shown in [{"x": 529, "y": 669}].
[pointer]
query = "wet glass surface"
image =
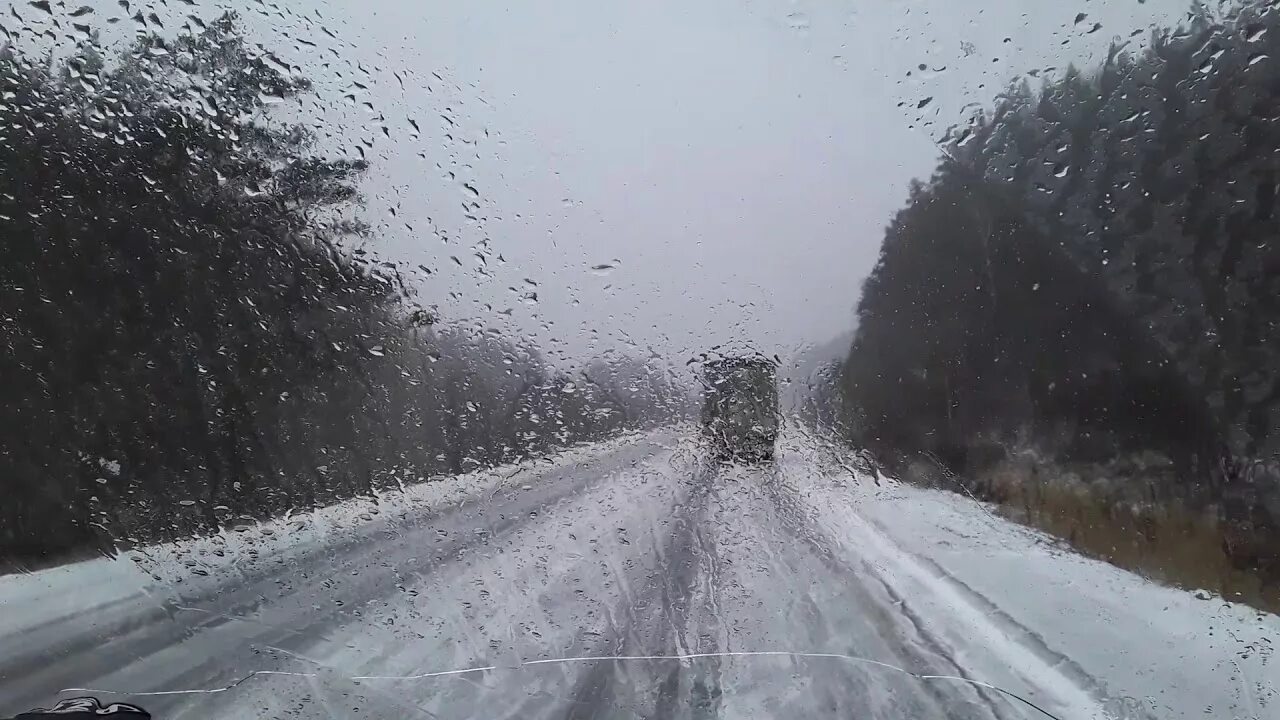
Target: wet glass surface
[{"x": 698, "y": 360}]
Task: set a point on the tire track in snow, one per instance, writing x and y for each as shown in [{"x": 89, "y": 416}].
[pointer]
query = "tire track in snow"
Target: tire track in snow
[{"x": 657, "y": 623}]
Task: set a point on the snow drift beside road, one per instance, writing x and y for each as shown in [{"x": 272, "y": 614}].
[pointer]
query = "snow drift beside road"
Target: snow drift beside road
[
  {"x": 156, "y": 574},
  {"x": 1087, "y": 638}
]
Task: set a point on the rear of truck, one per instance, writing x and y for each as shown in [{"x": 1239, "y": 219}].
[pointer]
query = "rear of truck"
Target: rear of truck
[{"x": 740, "y": 408}]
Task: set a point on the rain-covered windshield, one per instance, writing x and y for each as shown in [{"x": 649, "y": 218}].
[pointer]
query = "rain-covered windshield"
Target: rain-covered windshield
[{"x": 699, "y": 359}]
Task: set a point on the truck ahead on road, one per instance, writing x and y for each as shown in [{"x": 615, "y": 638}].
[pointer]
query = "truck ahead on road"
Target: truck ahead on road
[{"x": 740, "y": 408}]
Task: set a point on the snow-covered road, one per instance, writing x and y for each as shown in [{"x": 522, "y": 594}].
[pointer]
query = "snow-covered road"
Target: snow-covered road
[{"x": 792, "y": 590}]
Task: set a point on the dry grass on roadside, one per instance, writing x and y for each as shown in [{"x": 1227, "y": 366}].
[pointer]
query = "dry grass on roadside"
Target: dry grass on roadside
[{"x": 1168, "y": 543}]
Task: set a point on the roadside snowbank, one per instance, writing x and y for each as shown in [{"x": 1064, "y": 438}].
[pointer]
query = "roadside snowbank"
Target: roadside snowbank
[
  {"x": 159, "y": 575},
  {"x": 1086, "y": 638}
]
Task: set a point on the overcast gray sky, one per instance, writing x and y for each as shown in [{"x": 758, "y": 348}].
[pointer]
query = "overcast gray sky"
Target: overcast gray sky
[
  {"x": 733, "y": 162},
  {"x": 737, "y": 161}
]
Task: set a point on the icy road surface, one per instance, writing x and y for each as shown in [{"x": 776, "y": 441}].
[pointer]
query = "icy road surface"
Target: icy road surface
[{"x": 797, "y": 590}]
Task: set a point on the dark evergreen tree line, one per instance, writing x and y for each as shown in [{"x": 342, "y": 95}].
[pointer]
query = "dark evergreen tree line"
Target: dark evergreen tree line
[
  {"x": 189, "y": 337},
  {"x": 1093, "y": 274}
]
